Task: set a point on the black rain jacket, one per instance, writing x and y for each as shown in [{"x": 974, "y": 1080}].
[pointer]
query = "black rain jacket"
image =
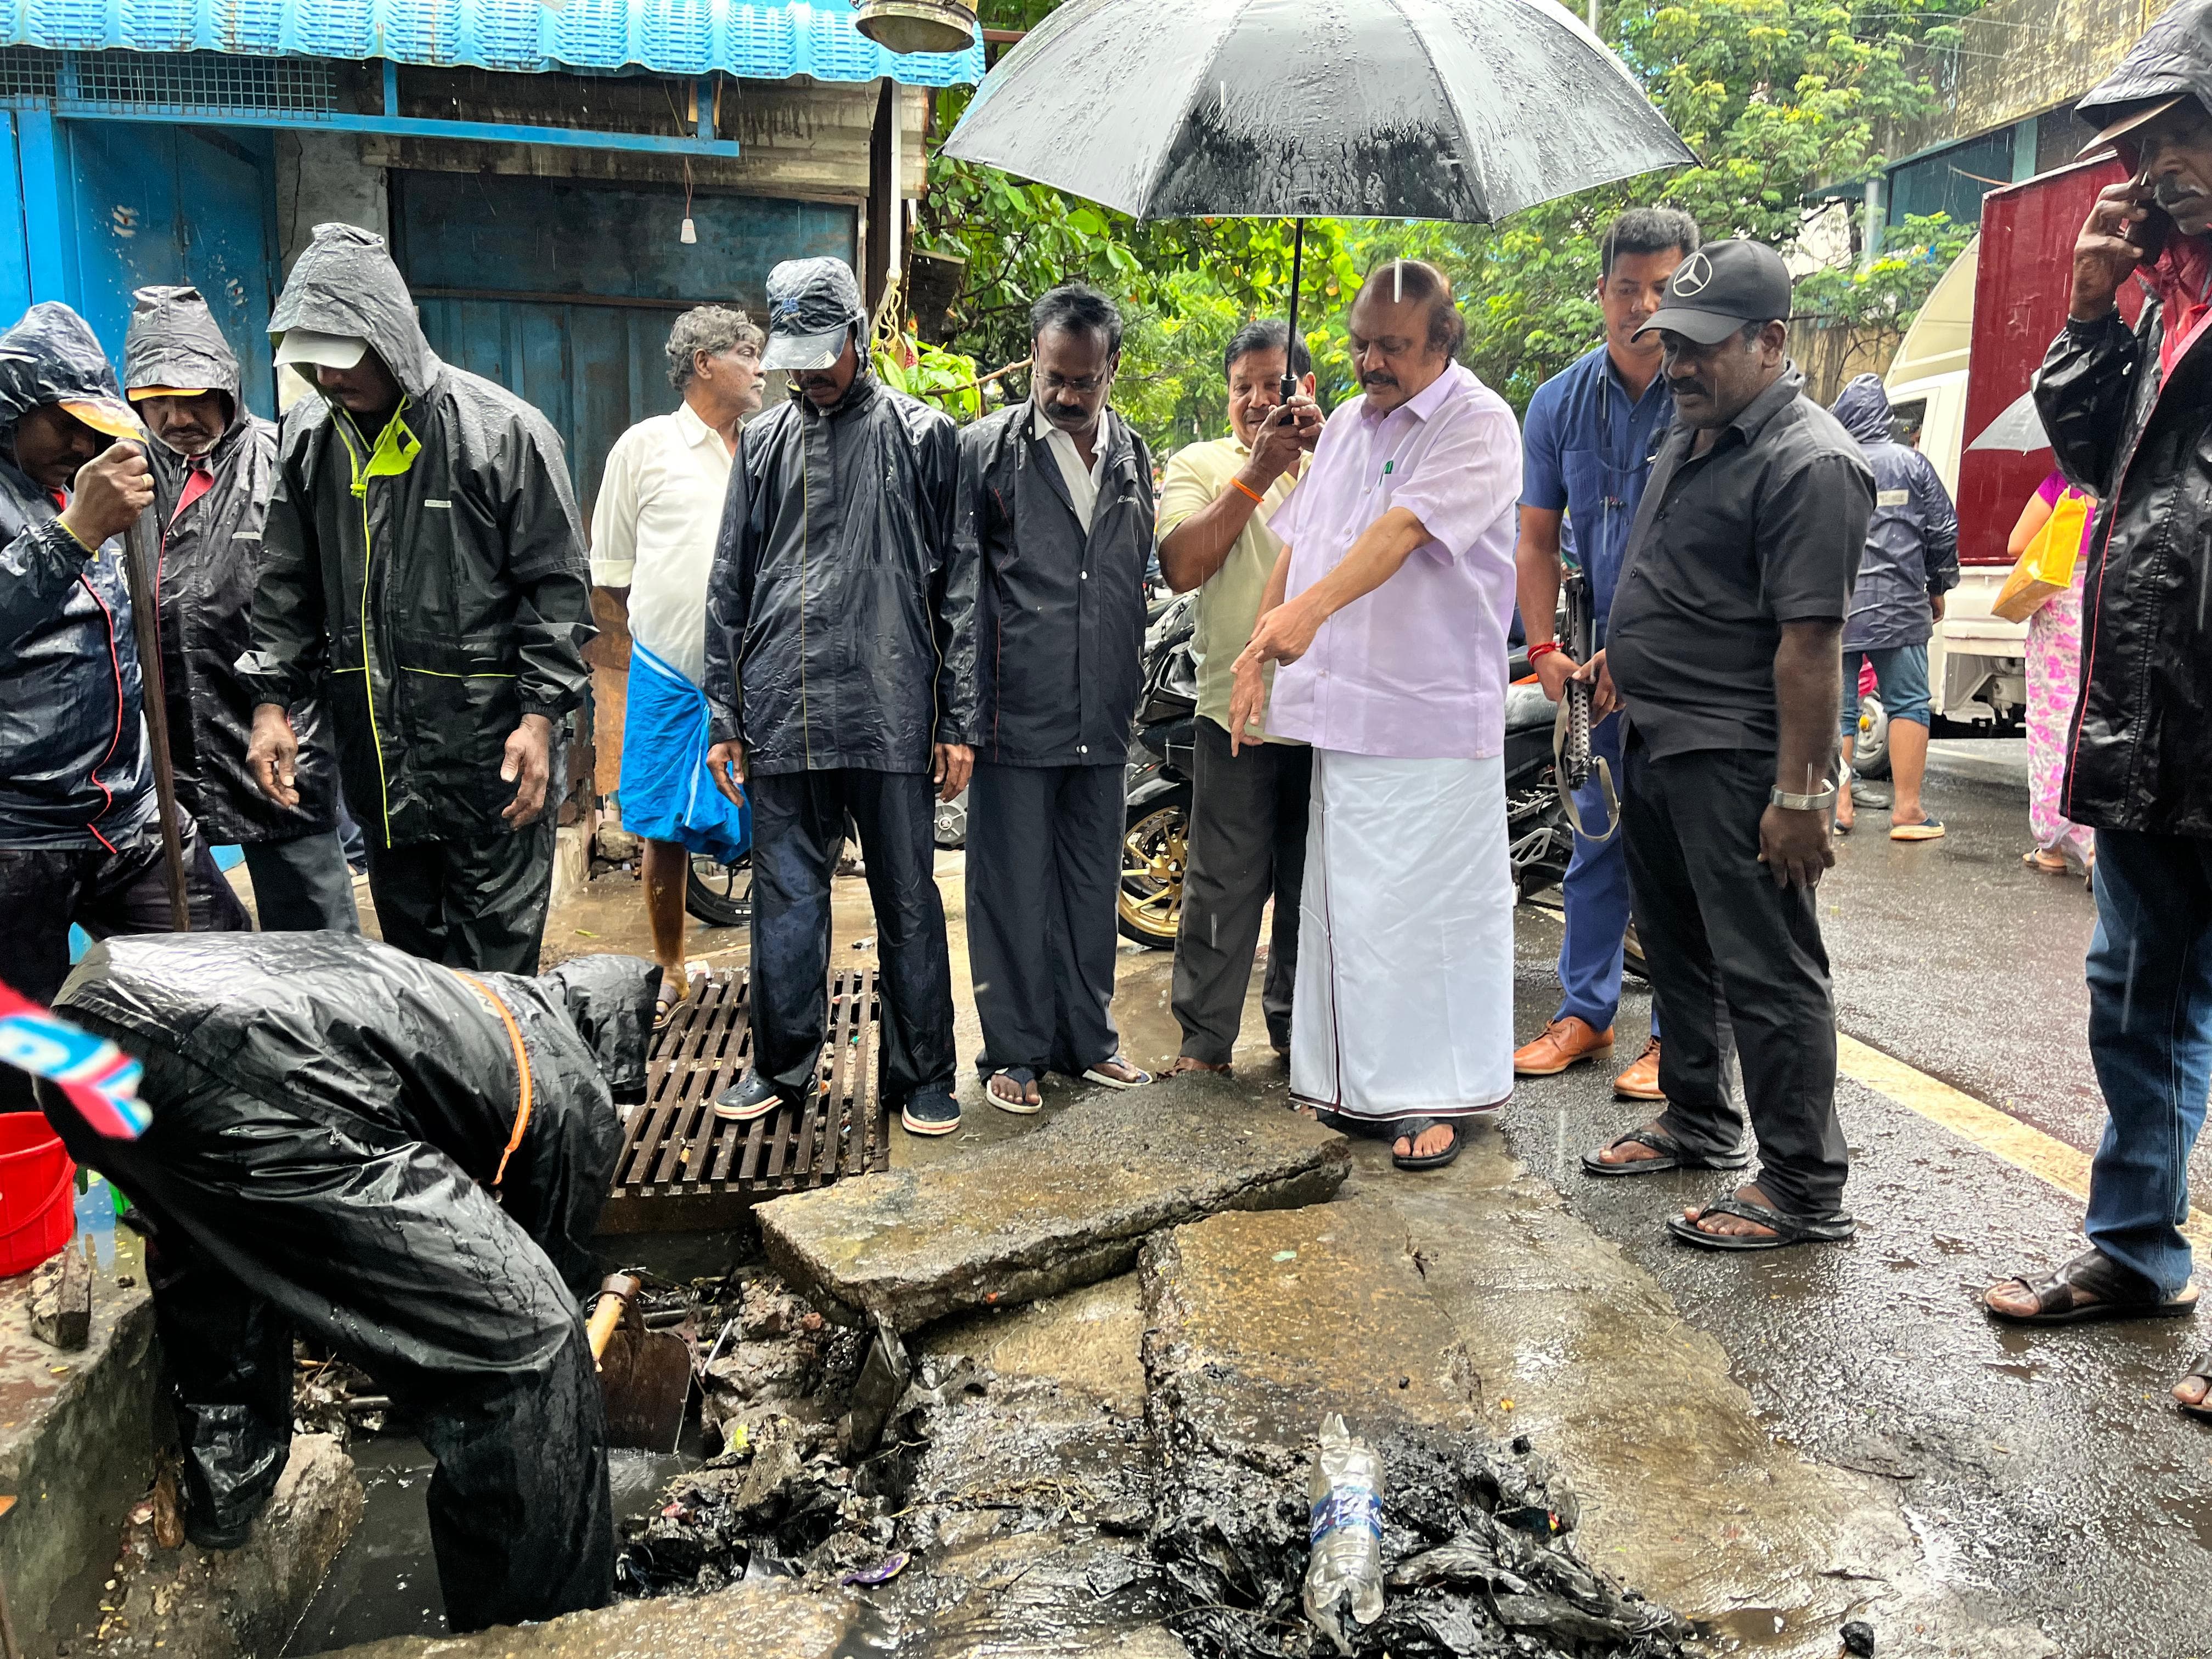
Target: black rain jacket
[
  {"x": 74, "y": 769},
  {"x": 1912, "y": 545},
  {"x": 378, "y": 1047},
  {"x": 841, "y": 612},
  {"x": 210, "y": 566},
  {"x": 2139, "y": 756},
  {"x": 1059, "y": 624},
  {"x": 428, "y": 580}
]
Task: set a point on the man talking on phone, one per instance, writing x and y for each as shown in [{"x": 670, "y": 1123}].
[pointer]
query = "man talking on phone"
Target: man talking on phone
[{"x": 2127, "y": 412}]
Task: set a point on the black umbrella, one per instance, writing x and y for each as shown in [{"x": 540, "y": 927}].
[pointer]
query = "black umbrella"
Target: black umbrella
[{"x": 1464, "y": 109}]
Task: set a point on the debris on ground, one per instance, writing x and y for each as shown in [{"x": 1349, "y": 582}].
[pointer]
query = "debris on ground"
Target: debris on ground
[
  {"x": 61, "y": 1302},
  {"x": 1858, "y": 1639},
  {"x": 999, "y": 1225}
]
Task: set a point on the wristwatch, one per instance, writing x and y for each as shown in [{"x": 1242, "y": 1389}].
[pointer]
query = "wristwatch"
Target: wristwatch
[{"x": 1783, "y": 798}]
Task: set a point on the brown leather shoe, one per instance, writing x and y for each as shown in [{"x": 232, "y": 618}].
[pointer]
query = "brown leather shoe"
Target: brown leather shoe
[
  {"x": 1565, "y": 1042},
  {"x": 1641, "y": 1080}
]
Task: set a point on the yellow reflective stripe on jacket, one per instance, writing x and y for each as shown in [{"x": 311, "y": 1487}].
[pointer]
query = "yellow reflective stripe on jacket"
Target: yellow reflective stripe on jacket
[{"x": 392, "y": 455}]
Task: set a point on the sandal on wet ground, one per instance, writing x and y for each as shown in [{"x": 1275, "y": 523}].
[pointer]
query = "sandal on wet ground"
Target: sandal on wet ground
[
  {"x": 1671, "y": 1157},
  {"x": 672, "y": 996},
  {"x": 2200, "y": 1367},
  {"x": 1025, "y": 1081},
  {"x": 1926, "y": 829},
  {"x": 1787, "y": 1230},
  {"x": 2091, "y": 1288},
  {"x": 1130, "y": 1076},
  {"x": 1411, "y": 1129},
  {"x": 1186, "y": 1064},
  {"x": 2046, "y": 862}
]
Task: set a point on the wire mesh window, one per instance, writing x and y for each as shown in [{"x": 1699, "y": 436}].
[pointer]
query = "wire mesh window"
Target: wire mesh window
[
  {"x": 205, "y": 80},
  {"x": 27, "y": 72}
]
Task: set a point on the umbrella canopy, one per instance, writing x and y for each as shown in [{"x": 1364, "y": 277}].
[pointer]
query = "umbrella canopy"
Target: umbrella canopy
[
  {"x": 2020, "y": 426},
  {"x": 1465, "y": 110}
]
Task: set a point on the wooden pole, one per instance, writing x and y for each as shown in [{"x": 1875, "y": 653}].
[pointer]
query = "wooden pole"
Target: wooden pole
[{"x": 141, "y": 546}]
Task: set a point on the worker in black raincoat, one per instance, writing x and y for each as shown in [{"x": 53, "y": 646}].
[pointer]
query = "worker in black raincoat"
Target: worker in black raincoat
[
  {"x": 841, "y": 677},
  {"x": 424, "y": 575},
  {"x": 1056, "y": 507},
  {"x": 80, "y": 840},
  {"x": 213, "y": 461},
  {"x": 406, "y": 1162},
  {"x": 2129, "y": 413}
]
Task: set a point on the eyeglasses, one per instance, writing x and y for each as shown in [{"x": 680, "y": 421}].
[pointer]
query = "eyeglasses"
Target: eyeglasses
[{"x": 1082, "y": 388}]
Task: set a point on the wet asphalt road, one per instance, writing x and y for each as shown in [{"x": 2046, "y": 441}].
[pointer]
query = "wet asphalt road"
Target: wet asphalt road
[{"x": 2046, "y": 1473}]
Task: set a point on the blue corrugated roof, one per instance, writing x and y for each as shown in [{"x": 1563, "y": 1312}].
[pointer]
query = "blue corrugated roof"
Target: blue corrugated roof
[{"x": 769, "y": 42}]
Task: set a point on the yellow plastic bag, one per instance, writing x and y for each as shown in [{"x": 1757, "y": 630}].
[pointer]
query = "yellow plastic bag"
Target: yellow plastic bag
[{"x": 2047, "y": 566}]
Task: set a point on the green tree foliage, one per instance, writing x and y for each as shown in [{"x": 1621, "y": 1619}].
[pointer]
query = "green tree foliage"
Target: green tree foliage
[{"x": 1780, "y": 98}]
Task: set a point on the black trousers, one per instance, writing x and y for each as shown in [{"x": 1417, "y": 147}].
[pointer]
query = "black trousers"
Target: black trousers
[
  {"x": 1045, "y": 868},
  {"x": 798, "y": 823},
  {"x": 301, "y": 885},
  {"x": 1719, "y": 934},
  {"x": 44, "y": 891},
  {"x": 265, "y": 1222},
  {"x": 478, "y": 904},
  {"x": 1248, "y": 843}
]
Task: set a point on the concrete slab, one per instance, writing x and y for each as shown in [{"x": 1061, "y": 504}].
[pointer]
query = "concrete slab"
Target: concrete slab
[
  {"x": 1067, "y": 1205},
  {"x": 768, "y": 1616},
  {"x": 76, "y": 1446}
]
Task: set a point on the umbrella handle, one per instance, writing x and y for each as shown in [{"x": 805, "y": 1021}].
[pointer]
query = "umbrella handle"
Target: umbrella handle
[{"x": 1290, "y": 386}]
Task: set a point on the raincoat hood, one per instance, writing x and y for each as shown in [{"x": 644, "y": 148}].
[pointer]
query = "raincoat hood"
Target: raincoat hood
[
  {"x": 609, "y": 1001},
  {"x": 2173, "y": 57},
  {"x": 346, "y": 283},
  {"x": 52, "y": 356},
  {"x": 1862, "y": 406},
  {"x": 175, "y": 342}
]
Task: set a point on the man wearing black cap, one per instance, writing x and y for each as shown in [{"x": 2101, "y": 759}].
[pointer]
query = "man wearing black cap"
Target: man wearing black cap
[
  {"x": 1725, "y": 650},
  {"x": 80, "y": 840},
  {"x": 2129, "y": 412},
  {"x": 424, "y": 574},
  {"x": 841, "y": 671}
]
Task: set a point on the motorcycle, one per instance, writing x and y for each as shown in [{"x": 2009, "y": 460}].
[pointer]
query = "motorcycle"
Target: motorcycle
[{"x": 1162, "y": 762}]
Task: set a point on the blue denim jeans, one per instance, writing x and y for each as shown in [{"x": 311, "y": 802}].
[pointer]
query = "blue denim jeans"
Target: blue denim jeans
[
  {"x": 1595, "y": 895},
  {"x": 2150, "y": 1035}
]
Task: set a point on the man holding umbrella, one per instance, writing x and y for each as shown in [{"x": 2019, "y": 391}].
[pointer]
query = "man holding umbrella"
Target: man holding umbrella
[
  {"x": 1388, "y": 609},
  {"x": 80, "y": 834}
]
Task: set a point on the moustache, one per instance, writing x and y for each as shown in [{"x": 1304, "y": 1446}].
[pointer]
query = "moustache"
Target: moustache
[
  {"x": 2169, "y": 195},
  {"x": 1074, "y": 413},
  {"x": 1378, "y": 378}
]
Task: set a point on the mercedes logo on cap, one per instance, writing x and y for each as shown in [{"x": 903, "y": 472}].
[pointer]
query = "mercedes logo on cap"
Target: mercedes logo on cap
[{"x": 1691, "y": 280}]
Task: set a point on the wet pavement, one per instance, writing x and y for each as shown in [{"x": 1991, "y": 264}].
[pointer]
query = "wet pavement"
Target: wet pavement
[{"x": 1773, "y": 1443}]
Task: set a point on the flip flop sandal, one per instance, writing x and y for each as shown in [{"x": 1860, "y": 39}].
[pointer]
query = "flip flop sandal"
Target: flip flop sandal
[
  {"x": 1360, "y": 1128},
  {"x": 2200, "y": 1366},
  {"x": 2034, "y": 861},
  {"x": 1095, "y": 1074},
  {"x": 2119, "y": 1293},
  {"x": 1024, "y": 1079},
  {"x": 1926, "y": 829},
  {"x": 1831, "y": 1229},
  {"x": 1185, "y": 1065},
  {"x": 1671, "y": 1157},
  {"x": 1843, "y": 829},
  {"x": 664, "y": 1005},
  {"x": 1413, "y": 1128}
]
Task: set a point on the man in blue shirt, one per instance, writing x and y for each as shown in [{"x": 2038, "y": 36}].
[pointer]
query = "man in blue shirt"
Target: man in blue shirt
[{"x": 1587, "y": 442}]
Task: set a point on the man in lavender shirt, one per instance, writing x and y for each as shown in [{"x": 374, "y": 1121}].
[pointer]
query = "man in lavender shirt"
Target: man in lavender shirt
[{"x": 1388, "y": 609}]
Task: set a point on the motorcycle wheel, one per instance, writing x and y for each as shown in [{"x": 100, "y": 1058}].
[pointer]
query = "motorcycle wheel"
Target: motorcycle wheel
[
  {"x": 1871, "y": 749},
  {"x": 1155, "y": 851},
  {"x": 720, "y": 895}
]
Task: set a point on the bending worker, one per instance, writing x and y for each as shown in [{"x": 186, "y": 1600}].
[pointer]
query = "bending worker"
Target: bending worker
[{"x": 419, "y": 1195}]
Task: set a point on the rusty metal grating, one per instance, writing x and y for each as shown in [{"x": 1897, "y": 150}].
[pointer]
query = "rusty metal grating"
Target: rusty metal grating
[{"x": 682, "y": 1170}]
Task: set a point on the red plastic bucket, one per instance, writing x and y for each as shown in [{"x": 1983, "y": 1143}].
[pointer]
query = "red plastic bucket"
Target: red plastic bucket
[{"x": 38, "y": 1192}]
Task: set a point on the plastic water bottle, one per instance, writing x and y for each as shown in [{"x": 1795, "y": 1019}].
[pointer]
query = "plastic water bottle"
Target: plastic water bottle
[{"x": 1346, "y": 1567}]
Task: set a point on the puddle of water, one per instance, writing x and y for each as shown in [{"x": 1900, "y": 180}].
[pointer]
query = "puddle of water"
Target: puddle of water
[{"x": 385, "y": 1582}]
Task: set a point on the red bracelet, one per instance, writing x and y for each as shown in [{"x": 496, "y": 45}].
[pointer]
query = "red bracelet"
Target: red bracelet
[
  {"x": 1258, "y": 499},
  {"x": 1542, "y": 648}
]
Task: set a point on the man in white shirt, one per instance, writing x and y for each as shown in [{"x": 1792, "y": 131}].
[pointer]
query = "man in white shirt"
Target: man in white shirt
[{"x": 652, "y": 545}]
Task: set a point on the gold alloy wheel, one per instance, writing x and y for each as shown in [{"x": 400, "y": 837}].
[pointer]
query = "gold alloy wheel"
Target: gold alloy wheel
[{"x": 1153, "y": 857}]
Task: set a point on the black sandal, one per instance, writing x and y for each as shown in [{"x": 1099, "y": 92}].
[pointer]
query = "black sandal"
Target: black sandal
[
  {"x": 1411, "y": 1129},
  {"x": 2120, "y": 1294},
  {"x": 2200, "y": 1366},
  {"x": 1671, "y": 1157},
  {"x": 1831, "y": 1229}
]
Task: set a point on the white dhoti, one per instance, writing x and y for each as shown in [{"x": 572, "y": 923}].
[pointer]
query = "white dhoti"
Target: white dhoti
[{"x": 1404, "y": 1004}]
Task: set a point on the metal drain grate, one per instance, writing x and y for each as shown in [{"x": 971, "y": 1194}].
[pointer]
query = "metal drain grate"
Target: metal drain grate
[{"x": 682, "y": 1170}]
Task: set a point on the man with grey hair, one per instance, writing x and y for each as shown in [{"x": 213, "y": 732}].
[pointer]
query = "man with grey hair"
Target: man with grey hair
[{"x": 652, "y": 545}]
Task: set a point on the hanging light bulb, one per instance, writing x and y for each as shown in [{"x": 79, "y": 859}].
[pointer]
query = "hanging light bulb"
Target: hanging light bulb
[{"x": 690, "y": 234}]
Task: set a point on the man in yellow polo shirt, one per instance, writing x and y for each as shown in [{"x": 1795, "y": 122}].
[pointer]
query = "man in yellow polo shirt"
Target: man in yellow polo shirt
[{"x": 1248, "y": 831}]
